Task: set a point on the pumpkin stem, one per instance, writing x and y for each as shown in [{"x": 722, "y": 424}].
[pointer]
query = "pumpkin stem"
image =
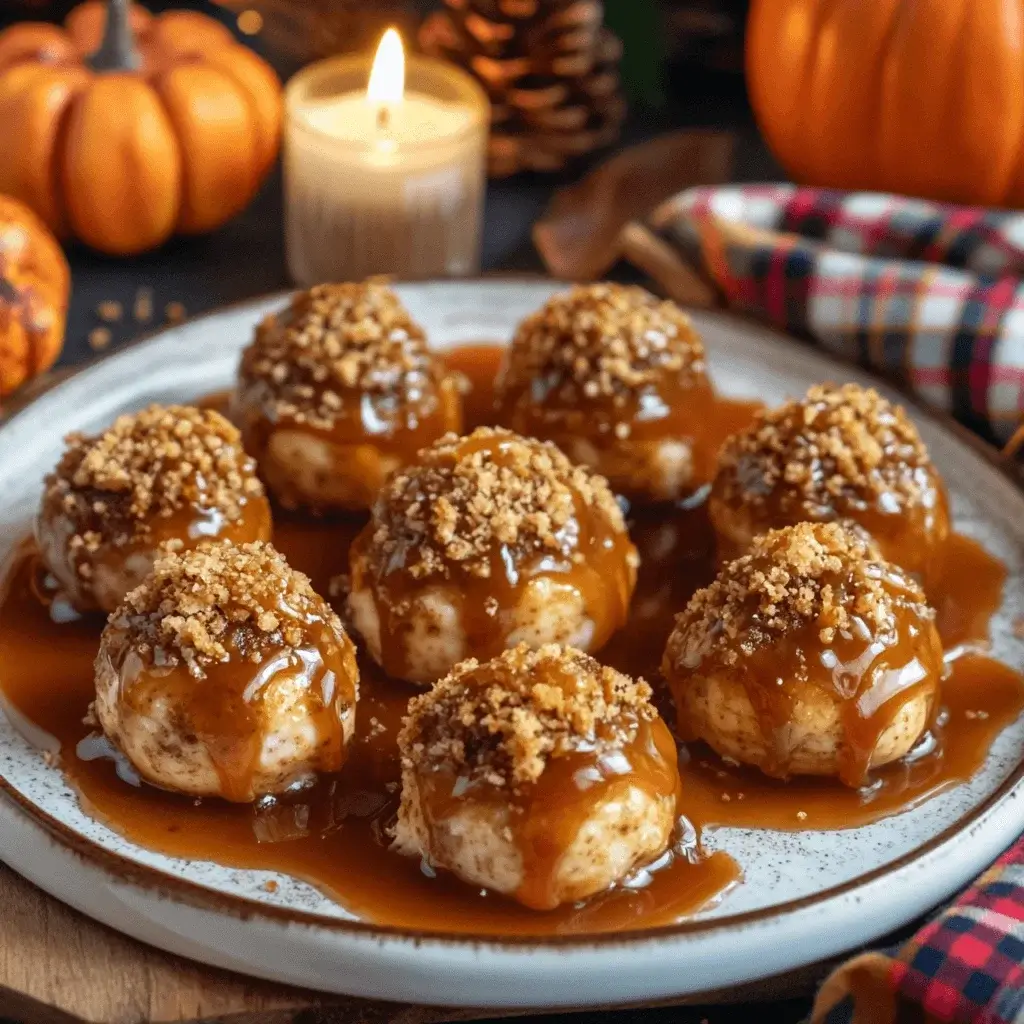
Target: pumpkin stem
[{"x": 117, "y": 50}]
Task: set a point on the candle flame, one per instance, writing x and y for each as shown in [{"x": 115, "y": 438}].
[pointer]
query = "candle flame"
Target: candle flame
[{"x": 387, "y": 76}]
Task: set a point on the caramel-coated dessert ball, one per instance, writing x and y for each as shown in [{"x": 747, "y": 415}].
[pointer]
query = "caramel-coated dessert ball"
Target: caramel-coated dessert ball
[
  {"x": 226, "y": 675},
  {"x": 540, "y": 774},
  {"x": 808, "y": 656},
  {"x": 338, "y": 391},
  {"x": 485, "y": 542},
  {"x": 167, "y": 474},
  {"x": 615, "y": 377},
  {"x": 840, "y": 453}
]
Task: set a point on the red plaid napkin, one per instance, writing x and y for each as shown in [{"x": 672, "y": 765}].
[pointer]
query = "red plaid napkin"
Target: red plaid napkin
[
  {"x": 966, "y": 966},
  {"x": 931, "y": 297},
  {"x": 927, "y": 295}
]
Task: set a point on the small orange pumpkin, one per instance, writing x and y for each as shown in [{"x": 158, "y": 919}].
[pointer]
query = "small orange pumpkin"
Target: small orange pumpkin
[
  {"x": 924, "y": 98},
  {"x": 34, "y": 286},
  {"x": 124, "y": 128}
]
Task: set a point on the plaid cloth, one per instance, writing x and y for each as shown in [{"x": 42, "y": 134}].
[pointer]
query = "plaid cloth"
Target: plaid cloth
[
  {"x": 932, "y": 297},
  {"x": 966, "y": 966},
  {"x": 929, "y": 296}
]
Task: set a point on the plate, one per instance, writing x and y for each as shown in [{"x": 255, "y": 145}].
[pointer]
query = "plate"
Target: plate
[{"x": 806, "y": 895}]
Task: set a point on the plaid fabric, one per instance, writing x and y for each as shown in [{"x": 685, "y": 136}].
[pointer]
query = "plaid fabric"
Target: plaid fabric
[
  {"x": 928, "y": 295},
  {"x": 964, "y": 967},
  {"x": 931, "y": 297}
]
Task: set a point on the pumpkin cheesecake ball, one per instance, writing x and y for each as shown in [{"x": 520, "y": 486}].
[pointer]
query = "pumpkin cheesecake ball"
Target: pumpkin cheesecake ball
[
  {"x": 615, "y": 377},
  {"x": 808, "y": 656},
  {"x": 337, "y": 392},
  {"x": 485, "y": 542},
  {"x": 542, "y": 775},
  {"x": 169, "y": 474},
  {"x": 225, "y": 674},
  {"x": 840, "y": 453}
]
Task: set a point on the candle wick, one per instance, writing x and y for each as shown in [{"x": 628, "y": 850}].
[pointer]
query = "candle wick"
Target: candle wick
[{"x": 383, "y": 118}]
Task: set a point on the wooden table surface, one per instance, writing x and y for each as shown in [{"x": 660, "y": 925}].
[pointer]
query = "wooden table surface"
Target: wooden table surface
[{"x": 58, "y": 966}]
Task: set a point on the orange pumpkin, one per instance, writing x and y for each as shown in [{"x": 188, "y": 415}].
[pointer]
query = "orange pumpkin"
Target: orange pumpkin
[
  {"x": 922, "y": 97},
  {"x": 34, "y": 287},
  {"x": 123, "y": 128}
]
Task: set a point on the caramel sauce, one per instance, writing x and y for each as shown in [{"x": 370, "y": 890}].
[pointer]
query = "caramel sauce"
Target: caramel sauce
[
  {"x": 966, "y": 593},
  {"x": 819, "y": 705},
  {"x": 387, "y": 425},
  {"x": 198, "y": 523},
  {"x": 572, "y": 785},
  {"x": 911, "y": 535},
  {"x": 369, "y": 438},
  {"x": 978, "y": 700},
  {"x": 477, "y": 365},
  {"x": 680, "y": 412},
  {"x": 116, "y": 569},
  {"x": 598, "y": 571},
  {"x": 685, "y": 409},
  {"x": 230, "y": 711},
  {"x": 334, "y": 834}
]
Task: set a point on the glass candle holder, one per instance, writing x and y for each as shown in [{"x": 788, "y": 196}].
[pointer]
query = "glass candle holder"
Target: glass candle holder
[{"x": 383, "y": 188}]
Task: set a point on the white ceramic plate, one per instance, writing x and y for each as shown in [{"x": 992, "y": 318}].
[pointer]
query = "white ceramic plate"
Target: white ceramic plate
[{"x": 806, "y": 896}]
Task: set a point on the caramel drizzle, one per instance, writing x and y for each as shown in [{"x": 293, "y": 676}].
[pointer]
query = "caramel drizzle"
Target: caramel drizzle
[
  {"x": 545, "y": 818},
  {"x": 334, "y": 831}
]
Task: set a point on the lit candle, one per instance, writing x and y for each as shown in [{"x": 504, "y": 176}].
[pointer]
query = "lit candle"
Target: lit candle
[{"x": 384, "y": 168}]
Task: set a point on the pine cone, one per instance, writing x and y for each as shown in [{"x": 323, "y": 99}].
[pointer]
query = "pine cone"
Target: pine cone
[{"x": 550, "y": 69}]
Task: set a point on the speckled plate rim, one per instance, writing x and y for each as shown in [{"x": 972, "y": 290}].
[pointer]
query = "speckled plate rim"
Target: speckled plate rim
[{"x": 990, "y": 825}]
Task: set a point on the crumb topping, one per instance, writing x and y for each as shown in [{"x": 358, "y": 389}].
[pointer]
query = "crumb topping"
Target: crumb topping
[
  {"x": 501, "y": 721},
  {"x": 838, "y": 444},
  {"x": 603, "y": 341},
  {"x": 152, "y": 464},
  {"x": 467, "y": 497},
  {"x": 336, "y": 339},
  {"x": 817, "y": 576},
  {"x": 222, "y": 600}
]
